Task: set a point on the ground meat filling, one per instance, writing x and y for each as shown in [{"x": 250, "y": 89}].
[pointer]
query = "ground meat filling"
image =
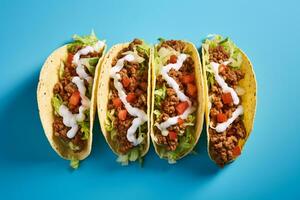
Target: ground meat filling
[
  {"x": 65, "y": 88},
  {"x": 134, "y": 78},
  {"x": 224, "y": 146},
  {"x": 168, "y": 105}
]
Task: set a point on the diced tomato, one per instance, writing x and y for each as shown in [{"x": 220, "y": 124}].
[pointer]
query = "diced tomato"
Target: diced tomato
[
  {"x": 117, "y": 102},
  {"x": 122, "y": 114},
  {"x": 173, "y": 59},
  {"x": 75, "y": 98},
  {"x": 191, "y": 90},
  {"x": 172, "y": 135},
  {"x": 188, "y": 78},
  {"x": 70, "y": 58},
  {"x": 181, "y": 107},
  {"x": 125, "y": 82},
  {"x": 221, "y": 118},
  {"x": 226, "y": 98},
  {"x": 236, "y": 151},
  {"x": 131, "y": 97},
  {"x": 180, "y": 121}
]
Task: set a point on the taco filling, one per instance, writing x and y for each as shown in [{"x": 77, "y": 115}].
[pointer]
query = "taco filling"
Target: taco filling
[
  {"x": 127, "y": 119},
  {"x": 226, "y": 128},
  {"x": 72, "y": 93},
  {"x": 175, "y": 99}
]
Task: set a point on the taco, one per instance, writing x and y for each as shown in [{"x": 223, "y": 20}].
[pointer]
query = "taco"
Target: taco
[
  {"x": 177, "y": 99},
  {"x": 66, "y": 96},
  {"x": 123, "y": 100},
  {"x": 231, "y": 98}
]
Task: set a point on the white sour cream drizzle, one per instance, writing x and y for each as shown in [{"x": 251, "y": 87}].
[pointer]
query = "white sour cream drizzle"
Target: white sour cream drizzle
[
  {"x": 70, "y": 119},
  {"x": 221, "y": 127},
  {"x": 182, "y": 97},
  {"x": 141, "y": 116},
  {"x": 223, "y": 84}
]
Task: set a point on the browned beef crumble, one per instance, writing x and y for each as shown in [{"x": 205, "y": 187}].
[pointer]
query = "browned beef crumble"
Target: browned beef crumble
[
  {"x": 137, "y": 76},
  {"x": 223, "y": 145},
  {"x": 168, "y": 105},
  {"x": 65, "y": 88}
]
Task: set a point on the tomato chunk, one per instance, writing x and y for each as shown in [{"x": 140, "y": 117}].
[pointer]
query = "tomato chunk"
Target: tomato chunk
[
  {"x": 70, "y": 59},
  {"x": 173, "y": 59},
  {"x": 188, "y": 78},
  {"x": 122, "y": 114},
  {"x": 172, "y": 135},
  {"x": 180, "y": 121},
  {"x": 236, "y": 151},
  {"x": 191, "y": 90},
  {"x": 75, "y": 98},
  {"x": 181, "y": 107},
  {"x": 131, "y": 97},
  {"x": 221, "y": 118},
  {"x": 117, "y": 102},
  {"x": 227, "y": 98},
  {"x": 126, "y": 82}
]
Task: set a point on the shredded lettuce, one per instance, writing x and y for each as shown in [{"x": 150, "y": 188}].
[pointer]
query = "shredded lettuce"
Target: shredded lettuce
[
  {"x": 157, "y": 113},
  {"x": 56, "y": 103},
  {"x": 109, "y": 120},
  {"x": 186, "y": 142},
  {"x": 235, "y": 55},
  {"x": 85, "y": 128},
  {"x": 159, "y": 95},
  {"x": 135, "y": 153},
  {"x": 87, "y": 40},
  {"x": 161, "y": 40},
  {"x": 93, "y": 61},
  {"x": 74, "y": 163},
  {"x": 109, "y": 123},
  {"x": 143, "y": 48},
  {"x": 132, "y": 155},
  {"x": 190, "y": 121},
  {"x": 90, "y": 64},
  {"x": 73, "y": 147}
]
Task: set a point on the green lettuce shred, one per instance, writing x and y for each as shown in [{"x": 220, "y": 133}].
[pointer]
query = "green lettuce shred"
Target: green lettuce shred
[
  {"x": 235, "y": 55},
  {"x": 157, "y": 113},
  {"x": 74, "y": 163},
  {"x": 132, "y": 155},
  {"x": 85, "y": 128},
  {"x": 186, "y": 142},
  {"x": 143, "y": 48},
  {"x": 190, "y": 121},
  {"x": 73, "y": 147},
  {"x": 159, "y": 95},
  {"x": 56, "y": 103},
  {"x": 87, "y": 40}
]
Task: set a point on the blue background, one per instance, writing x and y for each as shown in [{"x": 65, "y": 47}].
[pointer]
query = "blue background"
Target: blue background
[{"x": 268, "y": 31}]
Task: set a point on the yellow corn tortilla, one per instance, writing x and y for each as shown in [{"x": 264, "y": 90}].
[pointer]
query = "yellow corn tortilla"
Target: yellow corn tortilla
[
  {"x": 49, "y": 76},
  {"x": 103, "y": 96},
  {"x": 201, "y": 100},
  {"x": 248, "y": 83}
]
